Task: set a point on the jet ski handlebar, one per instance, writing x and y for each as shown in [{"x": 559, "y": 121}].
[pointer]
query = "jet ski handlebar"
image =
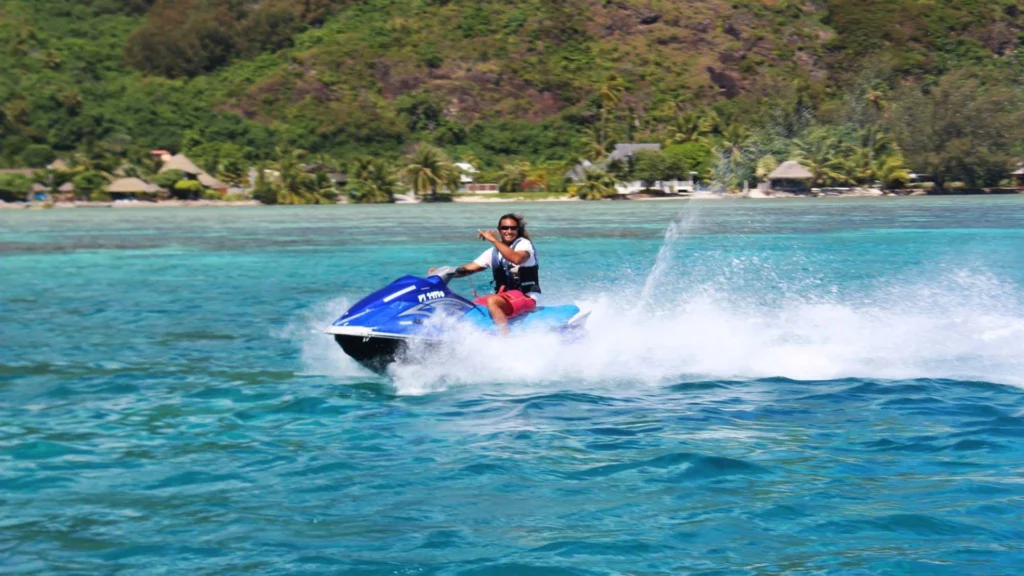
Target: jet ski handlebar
[{"x": 445, "y": 273}]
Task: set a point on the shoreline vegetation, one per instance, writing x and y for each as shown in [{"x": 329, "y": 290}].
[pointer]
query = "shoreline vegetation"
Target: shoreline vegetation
[
  {"x": 325, "y": 101},
  {"x": 506, "y": 198}
]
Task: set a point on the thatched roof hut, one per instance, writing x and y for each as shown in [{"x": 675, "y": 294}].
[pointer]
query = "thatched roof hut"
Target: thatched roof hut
[
  {"x": 66, "y": 188},
  {"x": 26, "y": 172},
  {"x": 212, "y": 183},
  {"x": 181, "y": 162},
  {"x": 132, "y": 186},
  {"x": 791, "y": 176},
  {"x": 791, "y": 170}
]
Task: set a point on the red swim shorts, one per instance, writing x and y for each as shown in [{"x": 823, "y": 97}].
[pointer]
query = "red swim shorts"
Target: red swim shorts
[{"x": 521, "y": 303}]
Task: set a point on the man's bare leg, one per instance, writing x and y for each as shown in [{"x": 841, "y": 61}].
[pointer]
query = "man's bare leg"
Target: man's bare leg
[{"x": 500, "y": 310}]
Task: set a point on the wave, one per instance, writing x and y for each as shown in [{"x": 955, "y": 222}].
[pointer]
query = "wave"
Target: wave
[{"x": 713, "y": 337}]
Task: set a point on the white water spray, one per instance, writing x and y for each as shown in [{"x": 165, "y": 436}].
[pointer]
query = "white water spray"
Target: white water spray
[
  {"x": 680, "y": 226},
  {"x": 942, "y": 322}
]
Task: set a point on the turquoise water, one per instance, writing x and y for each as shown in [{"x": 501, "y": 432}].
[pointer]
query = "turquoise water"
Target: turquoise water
[{"x": 791, "y": 387}]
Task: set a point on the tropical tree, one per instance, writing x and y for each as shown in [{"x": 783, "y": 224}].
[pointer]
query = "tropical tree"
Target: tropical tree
[
  {"x": 596, "y": 185},
  {"x": 427, "y": 170},
  {"x": 512, "y": 175},
  {"x": 263, "y": 188},
  {"x": 686, "y": 127},
  {"x": 319, "y": 188},
  {"x": 650, "y": 166},
  {"x": 232, "y": 167},
  {"x": 595, "y": 142},
  {"x": 711, "y": 122},
  {"x": 765, "y": 166},
  {"x": 91, "y": 184},
  {"x": 732, "y": 143},
  {"x": 232, "y": 171},
  {"x": 822, "y": 153},
  {"x": 735, "y": 157},
  {"x": 962, "y": 129},
  {"x": 611, "y": 91},
  {"x": 14, "y": 187},
  {"x": 375, "y": 181},
  {"x": 288, "y": 165},
  {"x": 891, "y": 171}
]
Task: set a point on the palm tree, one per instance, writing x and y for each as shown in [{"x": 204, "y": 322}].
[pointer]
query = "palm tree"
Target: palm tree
[
  {"x": 875, "y": 149},
  {"x": 541, "y": 173},
  {"x": 289, "y": 168},
  {"x": 821, "y": 154},
  {"x": 611, "y": 91},
  {"x": 891, "y": 172},
  {"x": 376, "y": 181},
  {"x": 711, "y": 122},
  {"x": 428, "y": 170},
  {"x": 732, "y": 144},
  {"x": 232, "y": 171},
  {"x": 595, "y": 142},
  {"x": 765, "y": 166},
  {"x": 686, "y": 127},
  {"x": 511, "y": 177},
  {"x": 596, "y": 185}
]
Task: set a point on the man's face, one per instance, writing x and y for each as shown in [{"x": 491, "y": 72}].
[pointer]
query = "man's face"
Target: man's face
[{"x": 509, "y": 229}]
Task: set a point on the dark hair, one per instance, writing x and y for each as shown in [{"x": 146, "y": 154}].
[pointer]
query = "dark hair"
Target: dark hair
[{"x": 520, "y": 221}]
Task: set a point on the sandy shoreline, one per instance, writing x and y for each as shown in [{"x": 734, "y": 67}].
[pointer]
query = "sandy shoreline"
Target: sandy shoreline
[{"x": 752, "y": 195}]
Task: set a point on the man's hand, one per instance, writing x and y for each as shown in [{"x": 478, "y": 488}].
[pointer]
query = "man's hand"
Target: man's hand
[{"x": 487, "y": 235}]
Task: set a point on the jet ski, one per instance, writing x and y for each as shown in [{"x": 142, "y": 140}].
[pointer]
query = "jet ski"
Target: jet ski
[{"x": 377, "y": 330}]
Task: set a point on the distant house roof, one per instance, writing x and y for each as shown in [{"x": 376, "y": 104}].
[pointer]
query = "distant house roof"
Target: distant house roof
[
  {"x": 59, "y": 165},
  {"x": 621, "y": 152},
  {"x": 624, "y": 151},
  {"x": 1019, "y": 171},
  {"x": 466, "y": 167},
  {"x": 131, "y": 186},
  {"x": 66, "y": 187},
  {"x": 579, "y": 171},
  {"x": 791, "y": 170},
  {"x": 210, "y": 182},
  {"x": 39, "y": 188},
  {"x": 181, "y": 162}
]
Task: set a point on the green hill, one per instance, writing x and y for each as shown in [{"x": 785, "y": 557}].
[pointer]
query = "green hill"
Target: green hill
[{"x": 535, "y": 79}]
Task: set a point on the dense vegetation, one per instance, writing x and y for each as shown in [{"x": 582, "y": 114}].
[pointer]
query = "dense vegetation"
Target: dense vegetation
[{"x": 859, "y": 90}]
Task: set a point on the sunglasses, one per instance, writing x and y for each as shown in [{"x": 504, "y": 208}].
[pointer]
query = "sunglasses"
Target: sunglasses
[{"x": 504, "y": 228}]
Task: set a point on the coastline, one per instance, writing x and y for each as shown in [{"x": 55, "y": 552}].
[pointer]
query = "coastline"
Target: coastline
[{"x": 481, "y": 199}]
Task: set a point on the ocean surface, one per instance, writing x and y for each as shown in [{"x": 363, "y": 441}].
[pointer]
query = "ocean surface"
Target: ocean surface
[{"x": 767, "y": 387}]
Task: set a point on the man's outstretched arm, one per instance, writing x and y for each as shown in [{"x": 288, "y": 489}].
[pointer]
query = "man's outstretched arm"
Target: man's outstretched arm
[{"x": 462, "y": 271}]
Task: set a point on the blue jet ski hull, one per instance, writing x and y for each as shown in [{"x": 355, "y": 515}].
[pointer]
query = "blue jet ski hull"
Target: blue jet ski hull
[{"x": 377, "y": 330}]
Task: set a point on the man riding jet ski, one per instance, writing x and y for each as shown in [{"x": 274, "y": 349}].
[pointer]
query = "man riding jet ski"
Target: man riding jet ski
[
  {"x": 513, "y": 263},
  {"x": 380, "y": 327}
]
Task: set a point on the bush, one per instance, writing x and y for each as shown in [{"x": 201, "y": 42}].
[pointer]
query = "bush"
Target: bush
[
  {"x": 14, "y": 187},
  {"x": 265, "y": 193},
  {"x": 89, "y": 182},
  {"x": 188, "y": 189},
  {"x": 168, "y": 179}
]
